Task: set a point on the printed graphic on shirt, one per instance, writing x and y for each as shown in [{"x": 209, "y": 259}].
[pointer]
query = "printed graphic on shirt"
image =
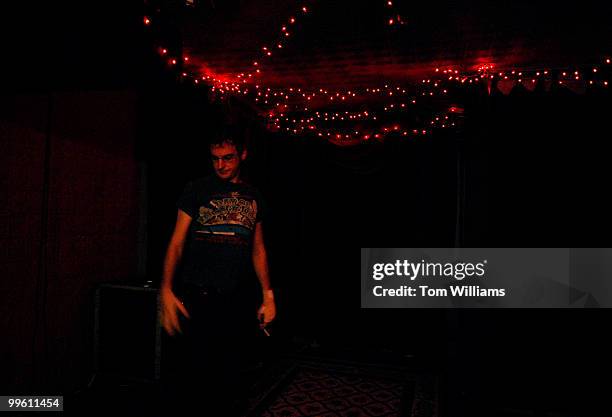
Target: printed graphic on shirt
[{"x": 228, "y": 216}]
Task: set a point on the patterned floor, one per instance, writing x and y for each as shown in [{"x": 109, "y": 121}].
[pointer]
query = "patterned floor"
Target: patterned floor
[{"x": 332, "y": 390}]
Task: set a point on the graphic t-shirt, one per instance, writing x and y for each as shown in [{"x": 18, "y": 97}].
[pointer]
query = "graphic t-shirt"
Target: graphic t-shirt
[{"x": 218, "y": 249}]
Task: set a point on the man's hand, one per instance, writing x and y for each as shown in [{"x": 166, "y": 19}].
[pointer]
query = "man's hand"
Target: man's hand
[
  {"x": 267, "y": 311},
  {"x": 169, "y": 317}
]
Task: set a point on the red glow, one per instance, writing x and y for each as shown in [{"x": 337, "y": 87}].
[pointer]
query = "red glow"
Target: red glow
[
  {"x": 147, "y": 20},
  {"x": 292, "y": 20},
  {"x": 302, "y": 126}
]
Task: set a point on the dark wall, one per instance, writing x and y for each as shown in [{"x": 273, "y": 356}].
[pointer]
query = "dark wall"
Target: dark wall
[{"x": 70, "y": 212}]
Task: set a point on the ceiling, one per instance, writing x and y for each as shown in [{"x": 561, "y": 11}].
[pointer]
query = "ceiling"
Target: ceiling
[{"x": 349, "y": 44}]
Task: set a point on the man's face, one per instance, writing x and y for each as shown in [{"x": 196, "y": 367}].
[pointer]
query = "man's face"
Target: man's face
[{"x": 226, "y": 161}]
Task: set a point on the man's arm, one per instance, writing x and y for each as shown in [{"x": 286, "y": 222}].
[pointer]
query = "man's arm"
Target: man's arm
[
  {"x": 174, "y": 253},
  {"x": 267, "y": 311}
]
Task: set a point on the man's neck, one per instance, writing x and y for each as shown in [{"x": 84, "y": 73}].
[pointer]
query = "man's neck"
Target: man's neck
[{"x": 235, "y": 180}]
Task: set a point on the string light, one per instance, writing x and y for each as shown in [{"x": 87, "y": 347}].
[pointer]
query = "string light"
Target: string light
[
  {"x": 293, "y": 101},
  {"x": 437, "y": 86},
  {"x": 393, "y": 18}
]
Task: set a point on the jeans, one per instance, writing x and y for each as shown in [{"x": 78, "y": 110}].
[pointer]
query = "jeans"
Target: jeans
[{"x": 201, "y": 366}]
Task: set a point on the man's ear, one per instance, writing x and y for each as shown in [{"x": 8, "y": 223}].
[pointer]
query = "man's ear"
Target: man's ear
[{"x": 243, "y": 155}]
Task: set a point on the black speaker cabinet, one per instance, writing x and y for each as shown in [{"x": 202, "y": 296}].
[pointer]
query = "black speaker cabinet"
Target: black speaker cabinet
[{"x": 127, "y": 334}]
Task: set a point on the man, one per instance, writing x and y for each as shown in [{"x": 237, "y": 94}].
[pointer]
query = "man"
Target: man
[{"x": 217, "y": 240}]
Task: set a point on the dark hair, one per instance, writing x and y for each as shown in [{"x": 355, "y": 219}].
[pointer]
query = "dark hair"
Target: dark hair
[{"x": 230, "y": 135}]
